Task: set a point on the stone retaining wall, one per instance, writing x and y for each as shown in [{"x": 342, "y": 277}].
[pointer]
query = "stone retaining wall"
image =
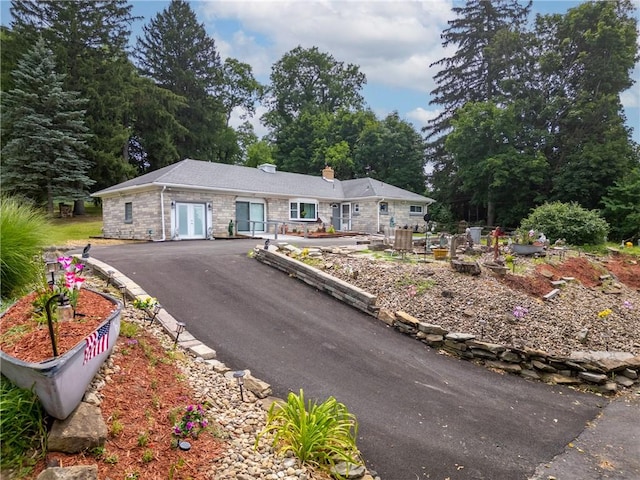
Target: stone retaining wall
[
  {"x": 603, "y": 372},
  {"x": 335, "y": 287}
]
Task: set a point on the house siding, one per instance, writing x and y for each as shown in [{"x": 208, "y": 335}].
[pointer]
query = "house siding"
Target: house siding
[
  {"x": 147, "y": 214},
  {"x": 133, "y": 210}
]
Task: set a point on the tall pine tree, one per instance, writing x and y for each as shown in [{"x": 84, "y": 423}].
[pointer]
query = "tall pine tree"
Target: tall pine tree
[
  {"x": 89, "y": 39},
  {"x": 484, "y": 67},
  {"x": 45, "y": 157},
  {"x": 178, "y": 55}
]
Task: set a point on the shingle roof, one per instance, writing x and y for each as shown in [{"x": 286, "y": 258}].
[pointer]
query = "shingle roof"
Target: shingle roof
[{"x": 234, "y": 178}]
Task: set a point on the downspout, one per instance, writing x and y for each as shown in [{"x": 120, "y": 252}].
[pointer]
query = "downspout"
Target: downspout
[
  {"x": 164, "y": 237},
  {"x": 379, "y": 202}
]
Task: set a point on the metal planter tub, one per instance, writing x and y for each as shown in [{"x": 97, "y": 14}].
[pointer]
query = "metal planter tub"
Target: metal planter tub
[
  {"x": 523, "y": 249},
  {"x": 61, "y": 382}
]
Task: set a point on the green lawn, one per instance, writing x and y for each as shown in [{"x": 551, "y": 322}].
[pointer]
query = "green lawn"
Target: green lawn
[{"x": 76, "y": 228}]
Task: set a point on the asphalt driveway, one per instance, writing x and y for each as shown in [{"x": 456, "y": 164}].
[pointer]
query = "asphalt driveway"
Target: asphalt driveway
[{"x": 421, "y": 414}]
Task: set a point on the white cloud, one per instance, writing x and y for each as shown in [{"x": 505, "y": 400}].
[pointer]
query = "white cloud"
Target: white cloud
[
  {"x": 392, "y": 42},
  {"x": 420, "y": 117},
  {"x": 235, "y": 120}
]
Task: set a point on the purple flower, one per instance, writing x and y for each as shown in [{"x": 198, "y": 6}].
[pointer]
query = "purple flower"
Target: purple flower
[
  {"x": 204, "y": 423},
  {"x": 190, "y": 426},
  {"x": 177, "y": 430},
  {"x": 627, "y": 304},
  {"x": 520, "y": 312},
  {"x": 190, "y": 408}
]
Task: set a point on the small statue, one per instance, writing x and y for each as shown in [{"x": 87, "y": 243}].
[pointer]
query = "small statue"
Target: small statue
[
  {"x": 230, "y": 229},
  {"x": 468, "y": 237}
]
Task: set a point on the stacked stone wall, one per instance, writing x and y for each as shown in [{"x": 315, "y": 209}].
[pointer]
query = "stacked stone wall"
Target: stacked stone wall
[{"x": 604, "y": 372}]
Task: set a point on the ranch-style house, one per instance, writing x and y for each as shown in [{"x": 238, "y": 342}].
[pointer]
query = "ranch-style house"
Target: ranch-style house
[{"x": 193, "y": 199}]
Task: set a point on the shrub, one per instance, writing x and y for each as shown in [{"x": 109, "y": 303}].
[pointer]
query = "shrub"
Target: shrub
[
  {"x": 22, "y": 430},
  {"x": 570, "y": 221},
  {"x": 23, "y": 233},
  {"x": 317, "y": 434}
]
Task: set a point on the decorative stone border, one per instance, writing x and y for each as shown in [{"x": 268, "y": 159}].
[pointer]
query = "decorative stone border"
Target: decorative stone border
[{"x": 603, "y": 372}]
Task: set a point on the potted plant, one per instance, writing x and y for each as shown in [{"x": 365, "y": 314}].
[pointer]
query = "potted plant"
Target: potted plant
[
  {"x": 526, "y": 242},
  {"x": 58, "y": 360}
]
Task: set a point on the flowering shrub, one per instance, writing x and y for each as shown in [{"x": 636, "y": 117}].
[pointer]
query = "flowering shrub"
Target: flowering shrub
[
  {"x": 192, "y": 423},
  {"x": 145, "y": 303}
]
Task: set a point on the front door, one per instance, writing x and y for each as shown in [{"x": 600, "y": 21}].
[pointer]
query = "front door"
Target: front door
[
  {"x": 335, "y": 216},
  {"x": 190, "y": 220},
  {"x": 345, "y": 220}
]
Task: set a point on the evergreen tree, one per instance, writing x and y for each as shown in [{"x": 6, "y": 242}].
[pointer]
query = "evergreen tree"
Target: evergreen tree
[
  {"x": 89, "y": 39},
  {"x": 177, "y": 54},
  {"x": 155, "y": 129},
  {"x": 44, "y": 158},
  {"x": 484, "y": 32}
]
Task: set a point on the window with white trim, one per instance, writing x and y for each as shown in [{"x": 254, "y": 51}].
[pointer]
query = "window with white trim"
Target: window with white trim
[
  {"x": 128, "y": 212},
  {"x": 303, "y": 209},
  {"x": 384, "y": 208},
  {"x": 415, "y": 209}
]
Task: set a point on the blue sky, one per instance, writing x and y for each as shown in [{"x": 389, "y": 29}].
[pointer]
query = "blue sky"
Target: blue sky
[{"x": 392, "y": 41}]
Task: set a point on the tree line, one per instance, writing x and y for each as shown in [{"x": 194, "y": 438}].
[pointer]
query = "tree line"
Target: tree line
[{"x": 530, "y": 111}]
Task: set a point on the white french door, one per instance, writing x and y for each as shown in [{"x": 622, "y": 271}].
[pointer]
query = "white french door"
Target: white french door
[
  {"x": 191, "y": 220},
  {"x": 345, "y": 217}
]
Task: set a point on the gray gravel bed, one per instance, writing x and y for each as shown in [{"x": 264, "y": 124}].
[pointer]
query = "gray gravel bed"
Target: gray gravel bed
[{"x": 483, "y": 306}]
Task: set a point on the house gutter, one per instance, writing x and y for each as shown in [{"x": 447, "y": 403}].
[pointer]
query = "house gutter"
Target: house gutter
[{"x": 164, "y": 237}]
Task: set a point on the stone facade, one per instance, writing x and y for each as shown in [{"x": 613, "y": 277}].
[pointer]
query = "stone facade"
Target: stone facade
[{"x": 140, "y": 215}]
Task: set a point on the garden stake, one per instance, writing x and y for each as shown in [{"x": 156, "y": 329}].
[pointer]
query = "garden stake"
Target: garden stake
[{"x": 47, "y": 307}]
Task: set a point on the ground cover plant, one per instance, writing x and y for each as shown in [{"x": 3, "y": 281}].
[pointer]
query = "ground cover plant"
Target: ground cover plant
[
  {"x": 22, "y": 429},
  {"x": 318, "y": 434}
]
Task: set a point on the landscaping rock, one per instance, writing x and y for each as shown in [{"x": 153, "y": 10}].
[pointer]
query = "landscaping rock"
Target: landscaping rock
[
  {"x": 83, "y": 430},
  {"x": 80, "y": 472}
]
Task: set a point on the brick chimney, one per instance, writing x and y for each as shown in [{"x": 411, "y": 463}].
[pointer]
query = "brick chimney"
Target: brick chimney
[{"x": 327, "y": 173}]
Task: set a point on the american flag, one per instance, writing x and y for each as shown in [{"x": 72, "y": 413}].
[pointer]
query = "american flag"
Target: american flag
[{"x": 97, "y": 342}]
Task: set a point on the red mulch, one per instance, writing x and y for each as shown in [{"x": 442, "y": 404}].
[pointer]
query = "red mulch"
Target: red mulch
[
  {"x": 145, "y": 387},
  {"x": 34, "y": 345}
]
